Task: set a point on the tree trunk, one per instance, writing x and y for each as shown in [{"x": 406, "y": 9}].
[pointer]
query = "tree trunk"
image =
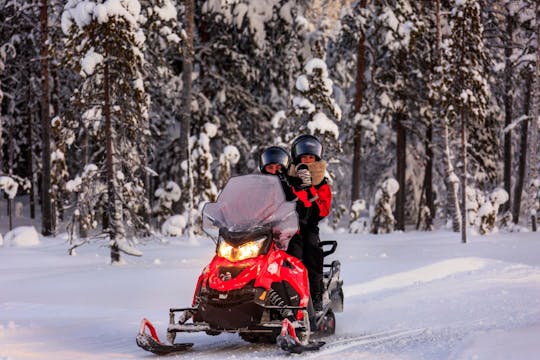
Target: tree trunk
[
  {"x": 464, "y": 177},
  {"x": 185, "y": 125},
  {"x": 428, "y": 179},
  {"x": 518, "y": 190},
  {"x": 357, "y": 150},
  {"x": 111, "y": 196},
  {"x": 533, "y": 143},
  {"x": 31, "y": 167},
  {"x": 508, "y": 74},
  {"x": 185, "y": 116},
  {"x": 47, "y": 224},
  {"x": 401, "y": 162},
  {"x": 451, "y": 180}
]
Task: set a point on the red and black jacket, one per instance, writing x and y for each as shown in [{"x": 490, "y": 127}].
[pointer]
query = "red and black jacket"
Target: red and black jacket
[{"x": 313, "y": 203}]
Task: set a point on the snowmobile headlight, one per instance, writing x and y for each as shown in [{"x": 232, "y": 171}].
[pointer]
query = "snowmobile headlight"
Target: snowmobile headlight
[
  {"x": 247, "y": 250},
  {"x": 225, "y": 250}
]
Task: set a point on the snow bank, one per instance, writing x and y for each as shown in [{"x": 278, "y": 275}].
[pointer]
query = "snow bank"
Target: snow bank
[
  {"x": 174, "y": 226},
  {"x": 22, "y": 236}
]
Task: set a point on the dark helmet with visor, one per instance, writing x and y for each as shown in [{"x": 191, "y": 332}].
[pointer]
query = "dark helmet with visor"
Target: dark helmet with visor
[
  {"x": 306, "y": 145},
  {"x": 274, "y": 155}
]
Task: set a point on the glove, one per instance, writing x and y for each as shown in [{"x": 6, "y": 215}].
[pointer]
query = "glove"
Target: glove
[{"x": 303, "y": 173}]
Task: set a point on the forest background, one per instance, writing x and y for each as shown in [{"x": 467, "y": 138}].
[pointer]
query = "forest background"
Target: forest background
[{"x": 121, "y": 118}]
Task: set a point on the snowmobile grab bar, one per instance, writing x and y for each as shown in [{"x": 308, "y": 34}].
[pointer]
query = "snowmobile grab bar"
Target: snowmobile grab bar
[
  {"x": 332, "y": 250},
  {"x": 290, "y": 307},
  {"x": 171, "y": 310}
]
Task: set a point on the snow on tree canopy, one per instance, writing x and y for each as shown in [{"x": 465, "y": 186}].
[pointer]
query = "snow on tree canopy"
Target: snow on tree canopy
[
  {"x": 303, "y": 104},
  {"x": 391, "y": 186},
  {"x": 302, "y": 83},
  {"x": 167, "y": 11},
  {"x": 254, "y": 14},
  {"x": 232, "y": 154},
  {"x": 90, "y": 61},
  {"x": 278, "y": 119},
  {"x": 322, "y": 124},
  {"x": 9, "y": 186},
  {"x": 171, "y": 191},
  {"x": 83, "y": 11},
  {"x": 316, "y": 63},
  {"x": 499, "y": 196},
  {"x": 210, "y": 129}
]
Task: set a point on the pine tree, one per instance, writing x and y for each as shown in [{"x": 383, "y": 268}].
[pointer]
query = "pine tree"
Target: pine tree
[
  {"x": 20, "y": 89},
  {"x": 315, "y": 111},
  {"x": 465, "y": 93},
  {"x": 383, "y": 220},
  {"x": 105, "y": 44}
]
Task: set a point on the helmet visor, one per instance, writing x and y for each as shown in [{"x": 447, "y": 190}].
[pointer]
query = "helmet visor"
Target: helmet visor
[
  {"x": 274, "y": 156},
  {"x": 307, "y": 146}
]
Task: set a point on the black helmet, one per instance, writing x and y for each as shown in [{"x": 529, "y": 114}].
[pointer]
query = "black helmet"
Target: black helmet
[
  {"x": 274, "y": 155},
  {"x": 306, "y": 145}
]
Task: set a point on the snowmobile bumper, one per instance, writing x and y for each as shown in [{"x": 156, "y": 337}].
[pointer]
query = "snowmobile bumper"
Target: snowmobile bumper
[{"x": 201, "y": 326}]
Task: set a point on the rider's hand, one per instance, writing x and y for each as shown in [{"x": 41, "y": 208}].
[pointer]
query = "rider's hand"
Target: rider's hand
[{"x": 303, "y": 173}]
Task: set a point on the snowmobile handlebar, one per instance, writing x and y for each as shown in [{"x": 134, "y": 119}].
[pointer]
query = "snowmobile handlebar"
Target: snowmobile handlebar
[{"x": 332, "y": 243}]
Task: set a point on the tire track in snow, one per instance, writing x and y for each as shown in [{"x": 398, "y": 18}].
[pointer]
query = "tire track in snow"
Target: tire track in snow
[{"x": 333, "y": 347}]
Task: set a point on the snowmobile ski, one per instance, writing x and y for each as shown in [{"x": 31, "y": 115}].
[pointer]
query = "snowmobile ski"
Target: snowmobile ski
[
  {"x": 288, "y": 341},
  {"x": 152, "y": 343}
]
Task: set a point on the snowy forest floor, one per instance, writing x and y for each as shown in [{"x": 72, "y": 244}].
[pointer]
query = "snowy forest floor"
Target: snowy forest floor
[{"x": 414, "y": 295}]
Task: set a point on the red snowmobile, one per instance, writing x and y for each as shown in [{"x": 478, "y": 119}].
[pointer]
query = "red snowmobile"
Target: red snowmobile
[{"x": 252, "y": 286}]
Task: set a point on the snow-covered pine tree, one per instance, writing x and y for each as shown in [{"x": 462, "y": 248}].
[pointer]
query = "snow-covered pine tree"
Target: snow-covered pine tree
[
  {"x": 315, "y": 110},
  {"x": 359, "y": 222},
  {"x": 465, "y": 92},
  {"x": 349, "y": 64},
  {"x": 524, "y": 64},
  {"x": 438, "y": 88},
  {"x": 346, "y": 56},
  {"x": 59, "y": 171},
  {"x": 243, "y": 45},
  {"x": 534, "y": 202},
  {"x": 105, "y": 45},
  {"x": 167, "y": 196},
  {"x": 382, "y": 219},
  {"x": 474, "y": 200},
  {"x": 20, "y": 88},
  {"x": 487, "y": 214},
  {"x": 509, "y": 38},
  {"x": 162, "y": 78},
  {"x": 198, "y": 178},
  {"x": 227, "y": 160},
  {"x": 533, "y": 170}
]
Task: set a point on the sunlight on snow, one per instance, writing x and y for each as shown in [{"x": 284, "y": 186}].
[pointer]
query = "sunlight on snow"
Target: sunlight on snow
[{"x": 428, "y": 273}]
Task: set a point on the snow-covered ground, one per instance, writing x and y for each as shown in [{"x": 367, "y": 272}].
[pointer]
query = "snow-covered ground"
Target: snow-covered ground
[{"x": 408, "y": 295}]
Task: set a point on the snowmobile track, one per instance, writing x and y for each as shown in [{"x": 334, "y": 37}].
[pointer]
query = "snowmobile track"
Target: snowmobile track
[{"x": 338, "y": 346}]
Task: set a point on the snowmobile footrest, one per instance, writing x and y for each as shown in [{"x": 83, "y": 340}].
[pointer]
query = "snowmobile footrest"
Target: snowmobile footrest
[
  {"x": 288, "y": 340},
  {"x": 289, "y": 344},
  {"x": 148, "y": 343}
]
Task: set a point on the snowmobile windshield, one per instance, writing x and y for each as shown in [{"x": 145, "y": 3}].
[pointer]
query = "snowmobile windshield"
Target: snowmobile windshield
[{"x": 251, "y": 203}]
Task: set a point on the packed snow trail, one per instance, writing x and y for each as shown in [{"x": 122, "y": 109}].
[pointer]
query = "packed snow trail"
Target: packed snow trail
[{"x": 407, "y": 296}]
